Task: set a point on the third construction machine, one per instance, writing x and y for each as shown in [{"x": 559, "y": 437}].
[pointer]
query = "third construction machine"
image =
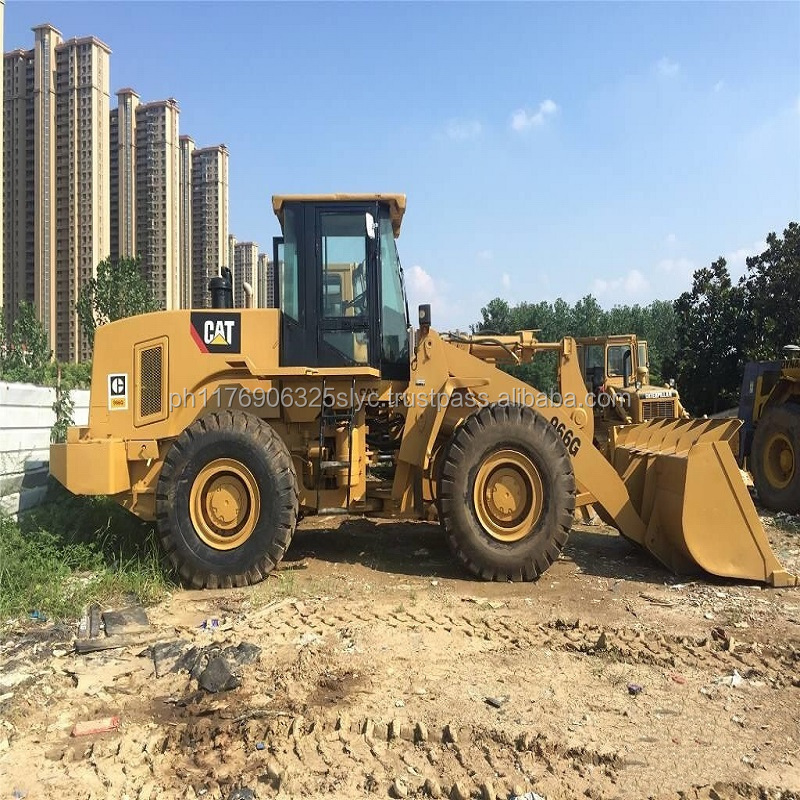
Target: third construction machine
[
  {"x": 224, "y": 425},
  {"x": 769, "y": 443}
]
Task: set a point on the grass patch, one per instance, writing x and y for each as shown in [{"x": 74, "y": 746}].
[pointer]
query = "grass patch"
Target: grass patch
[
  {"x": 72, "y": 551},
  {"x": 278, "y": 585}
]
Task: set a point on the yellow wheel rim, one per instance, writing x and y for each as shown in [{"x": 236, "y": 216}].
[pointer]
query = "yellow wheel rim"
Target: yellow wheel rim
[
  {"x": 779, "y": 461},
  {"x": 508, "y": 495},
  {"x": 224, "y": 504}
]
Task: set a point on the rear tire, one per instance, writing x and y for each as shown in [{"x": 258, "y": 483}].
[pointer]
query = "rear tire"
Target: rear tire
[
  {"x": 506, "y": 493},
  {"x": 227, "y": 502},
  {"x": 775, "y": 458}
]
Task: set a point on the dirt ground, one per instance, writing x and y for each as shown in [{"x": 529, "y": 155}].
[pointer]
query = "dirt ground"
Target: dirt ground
[{"x": 386, "y": 672}]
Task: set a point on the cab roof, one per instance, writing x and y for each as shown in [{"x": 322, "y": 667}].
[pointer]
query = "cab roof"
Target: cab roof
[
  {"x": 613, "y": 338},
  {"x": 396, "y": 203}
]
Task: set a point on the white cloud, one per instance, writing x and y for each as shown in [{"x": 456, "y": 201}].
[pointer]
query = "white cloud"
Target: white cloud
[
  {"x": 460, "y": 130},
  {"x": 671, "y": 238},
  {"x": 667, "y": 67},
  {"x": 737, "y": 259},
  {"x": 632, "y": 285},
  {"x": 635, "y": 283},
  {"x": 484, "y": 255},
  {"x": 719, "y": 86},
  {"x": 506, "y": 280},
  {"x": 676, "y": 265},
  {"x": 424, "y": 288},
  {"x": 421, "y": 283},
  {"x": 523, "y": 120}
]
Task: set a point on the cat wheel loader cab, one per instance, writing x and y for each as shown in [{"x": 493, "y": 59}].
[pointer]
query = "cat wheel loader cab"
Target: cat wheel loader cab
[
  {"x": 616, "y": 370},
  {"x": 225, "y": 425},
  {"x": 769, "y": 444}
]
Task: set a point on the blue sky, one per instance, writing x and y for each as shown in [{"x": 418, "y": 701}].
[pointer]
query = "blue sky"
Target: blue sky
[{"x": 546, "y": 149}]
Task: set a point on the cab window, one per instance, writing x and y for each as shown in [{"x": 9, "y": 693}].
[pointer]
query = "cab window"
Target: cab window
[
  {"x": 343, "y": 249},
  {"x": 289, "y": 272},
  {"x": 344, "y": 257},
  {"x": 394, "y": 314},
  {"x": 594, "y": 356},
  {"x": 616, "y": 359}
]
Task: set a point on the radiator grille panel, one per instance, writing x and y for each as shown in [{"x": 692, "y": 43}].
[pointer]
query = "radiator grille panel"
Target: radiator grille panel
[
  {"x": 150, "y": 381},
  {"x": 657, "y": 409}
]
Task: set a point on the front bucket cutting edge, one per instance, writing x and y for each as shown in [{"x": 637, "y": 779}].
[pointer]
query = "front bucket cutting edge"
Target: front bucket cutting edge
[{"x": 684, "y": 481}]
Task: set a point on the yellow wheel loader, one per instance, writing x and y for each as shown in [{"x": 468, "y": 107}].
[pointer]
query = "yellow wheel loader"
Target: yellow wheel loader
[
  {"x": 225, "y": 425},
  {"x": 618, "y": 366},
  {"x": 769, "y": 443}
]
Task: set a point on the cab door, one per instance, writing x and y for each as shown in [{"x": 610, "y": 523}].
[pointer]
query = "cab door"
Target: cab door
[
  {"x": 346, "y": 270},
  {"x": 295, "y": 284}
]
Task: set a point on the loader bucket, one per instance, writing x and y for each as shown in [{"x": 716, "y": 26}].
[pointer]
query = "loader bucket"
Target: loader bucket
[{"x": 685, "y": 484}]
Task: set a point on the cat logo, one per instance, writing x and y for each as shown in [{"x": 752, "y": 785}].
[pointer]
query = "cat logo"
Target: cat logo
[
  {"x": 217, "y": 332},
  {"x": 118, "y": 392}
]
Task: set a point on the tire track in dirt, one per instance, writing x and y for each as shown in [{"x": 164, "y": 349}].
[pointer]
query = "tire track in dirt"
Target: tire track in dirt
[
  {"x": 292, "y": 756},
  {"x": 302, "y": 742},
  {"x": 776, "y": 664}
]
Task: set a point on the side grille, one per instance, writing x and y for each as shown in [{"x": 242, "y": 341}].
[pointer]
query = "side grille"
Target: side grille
[
  {"x": 658, "y": 409},
  {"x": 150, "y": 380}
]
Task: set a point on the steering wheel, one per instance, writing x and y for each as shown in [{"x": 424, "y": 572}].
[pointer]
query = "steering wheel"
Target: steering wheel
[{"x": 358, "y": 303}]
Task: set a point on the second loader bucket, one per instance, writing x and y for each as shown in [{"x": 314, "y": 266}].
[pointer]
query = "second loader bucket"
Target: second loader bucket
[{"x": 683, "y": 480}]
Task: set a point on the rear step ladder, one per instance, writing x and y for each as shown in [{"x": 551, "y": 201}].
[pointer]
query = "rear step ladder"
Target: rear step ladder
[{"x": 331, "y": 417}]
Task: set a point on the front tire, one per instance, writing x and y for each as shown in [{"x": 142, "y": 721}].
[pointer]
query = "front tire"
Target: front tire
[
  {"x": 775, "y": 459},
  {"x": 506, "y": 493},
  {"x": 227, "y": 502}
]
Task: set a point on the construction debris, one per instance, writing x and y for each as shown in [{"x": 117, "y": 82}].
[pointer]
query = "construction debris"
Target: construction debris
[{"x": 94, "y": 726}]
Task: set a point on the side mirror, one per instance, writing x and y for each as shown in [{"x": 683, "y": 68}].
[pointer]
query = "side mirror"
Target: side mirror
[
  {"x": 412, "y": 344},
  {"x": 626, "y": 368},
  {"x": 371, "y": 226}
]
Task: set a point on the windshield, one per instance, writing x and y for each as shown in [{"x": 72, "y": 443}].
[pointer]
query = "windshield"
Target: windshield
[
  {"x": 643, "y": 354},
  {"x": 616, "y": 359},
  {"x": 394, "y": 312}
]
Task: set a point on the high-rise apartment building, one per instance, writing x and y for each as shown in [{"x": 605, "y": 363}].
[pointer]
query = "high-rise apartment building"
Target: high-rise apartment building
[
  {"x": 209, "y": 218},
  {"x": 266, "y": 282},
  {"x": 18, "y": 170},
  {"x": 145, "y": 191},
  {"x": 245, "y": 270},
  {"x": 186, "y": 148},
  {"x": 158, "y": 199},
  {"x": 56, "y": 179},
  {"x": 122, "y": 133},
  {"x": 2, "y": 161},
  {"x": 82, "y": 182}
]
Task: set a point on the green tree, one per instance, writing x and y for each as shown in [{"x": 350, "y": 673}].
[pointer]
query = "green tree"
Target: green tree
[
  {"x": 495, "y": 318},
  {"x": 772, "y": 296},
  {"x": 710, "y": 339},
  {"x": 25, "y": 356},
  {"x": 659, "y": 327},
  {"x": 117, "y": 291},
  {"x": 655, "y": 322},
  {"x": 587, "y": 318}
]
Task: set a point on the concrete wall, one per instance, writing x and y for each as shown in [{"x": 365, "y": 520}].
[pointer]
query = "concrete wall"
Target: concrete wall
[{"x": 26, "y": 417}]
